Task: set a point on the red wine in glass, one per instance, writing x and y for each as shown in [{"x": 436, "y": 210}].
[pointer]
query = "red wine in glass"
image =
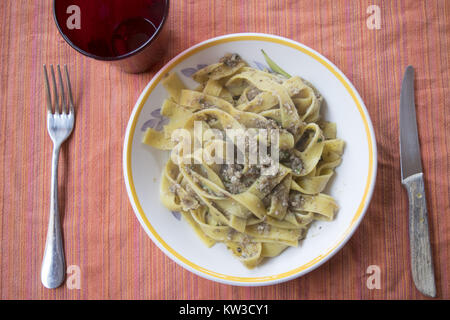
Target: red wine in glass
[
  {"x": 131, "y": 34},
  {"x": 110, "y": 29}
]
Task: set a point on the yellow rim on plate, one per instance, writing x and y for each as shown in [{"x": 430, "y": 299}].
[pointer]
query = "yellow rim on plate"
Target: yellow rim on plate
[{"x": 368, "y": 128}]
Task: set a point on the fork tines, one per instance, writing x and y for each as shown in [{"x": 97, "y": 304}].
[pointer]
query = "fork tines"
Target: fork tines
[{"x": 63, "y": 104}]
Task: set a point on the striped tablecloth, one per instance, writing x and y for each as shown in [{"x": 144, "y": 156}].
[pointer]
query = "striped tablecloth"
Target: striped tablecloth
[{"x": 102, "y": 236}]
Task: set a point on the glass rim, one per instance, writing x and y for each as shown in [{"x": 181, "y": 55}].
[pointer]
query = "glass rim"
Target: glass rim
[{"x": 120, "y": 57}]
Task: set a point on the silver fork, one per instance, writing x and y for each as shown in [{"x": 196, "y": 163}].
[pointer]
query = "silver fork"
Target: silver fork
[{"x": 60, "y": 122}]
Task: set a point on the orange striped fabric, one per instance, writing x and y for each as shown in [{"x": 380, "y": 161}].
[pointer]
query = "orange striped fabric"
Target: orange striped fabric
[{"x": 101, "y": 233}]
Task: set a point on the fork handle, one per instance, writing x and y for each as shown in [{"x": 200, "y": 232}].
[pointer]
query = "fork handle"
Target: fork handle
[{"x": 53, "y": 263}]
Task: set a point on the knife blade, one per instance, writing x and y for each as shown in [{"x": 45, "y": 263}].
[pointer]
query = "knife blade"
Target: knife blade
[{"x": 412, "y": 179}]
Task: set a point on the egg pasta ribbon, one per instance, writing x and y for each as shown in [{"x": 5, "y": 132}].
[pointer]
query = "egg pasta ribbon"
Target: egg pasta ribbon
[{"x": 257, "y": 209}]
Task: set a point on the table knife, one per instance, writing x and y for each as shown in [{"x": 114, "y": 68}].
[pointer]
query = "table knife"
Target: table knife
[{"x": 412, "y": 180}]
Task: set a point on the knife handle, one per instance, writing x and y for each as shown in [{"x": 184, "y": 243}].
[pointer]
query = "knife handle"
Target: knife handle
[{"x": 421, "y": 257}]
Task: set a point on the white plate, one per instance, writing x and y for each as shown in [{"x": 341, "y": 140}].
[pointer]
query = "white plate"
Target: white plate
[{"x": 352, "y": 185}]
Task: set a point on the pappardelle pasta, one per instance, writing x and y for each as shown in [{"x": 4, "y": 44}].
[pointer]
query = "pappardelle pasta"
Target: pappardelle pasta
[{"x": 254, "y": 211}]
